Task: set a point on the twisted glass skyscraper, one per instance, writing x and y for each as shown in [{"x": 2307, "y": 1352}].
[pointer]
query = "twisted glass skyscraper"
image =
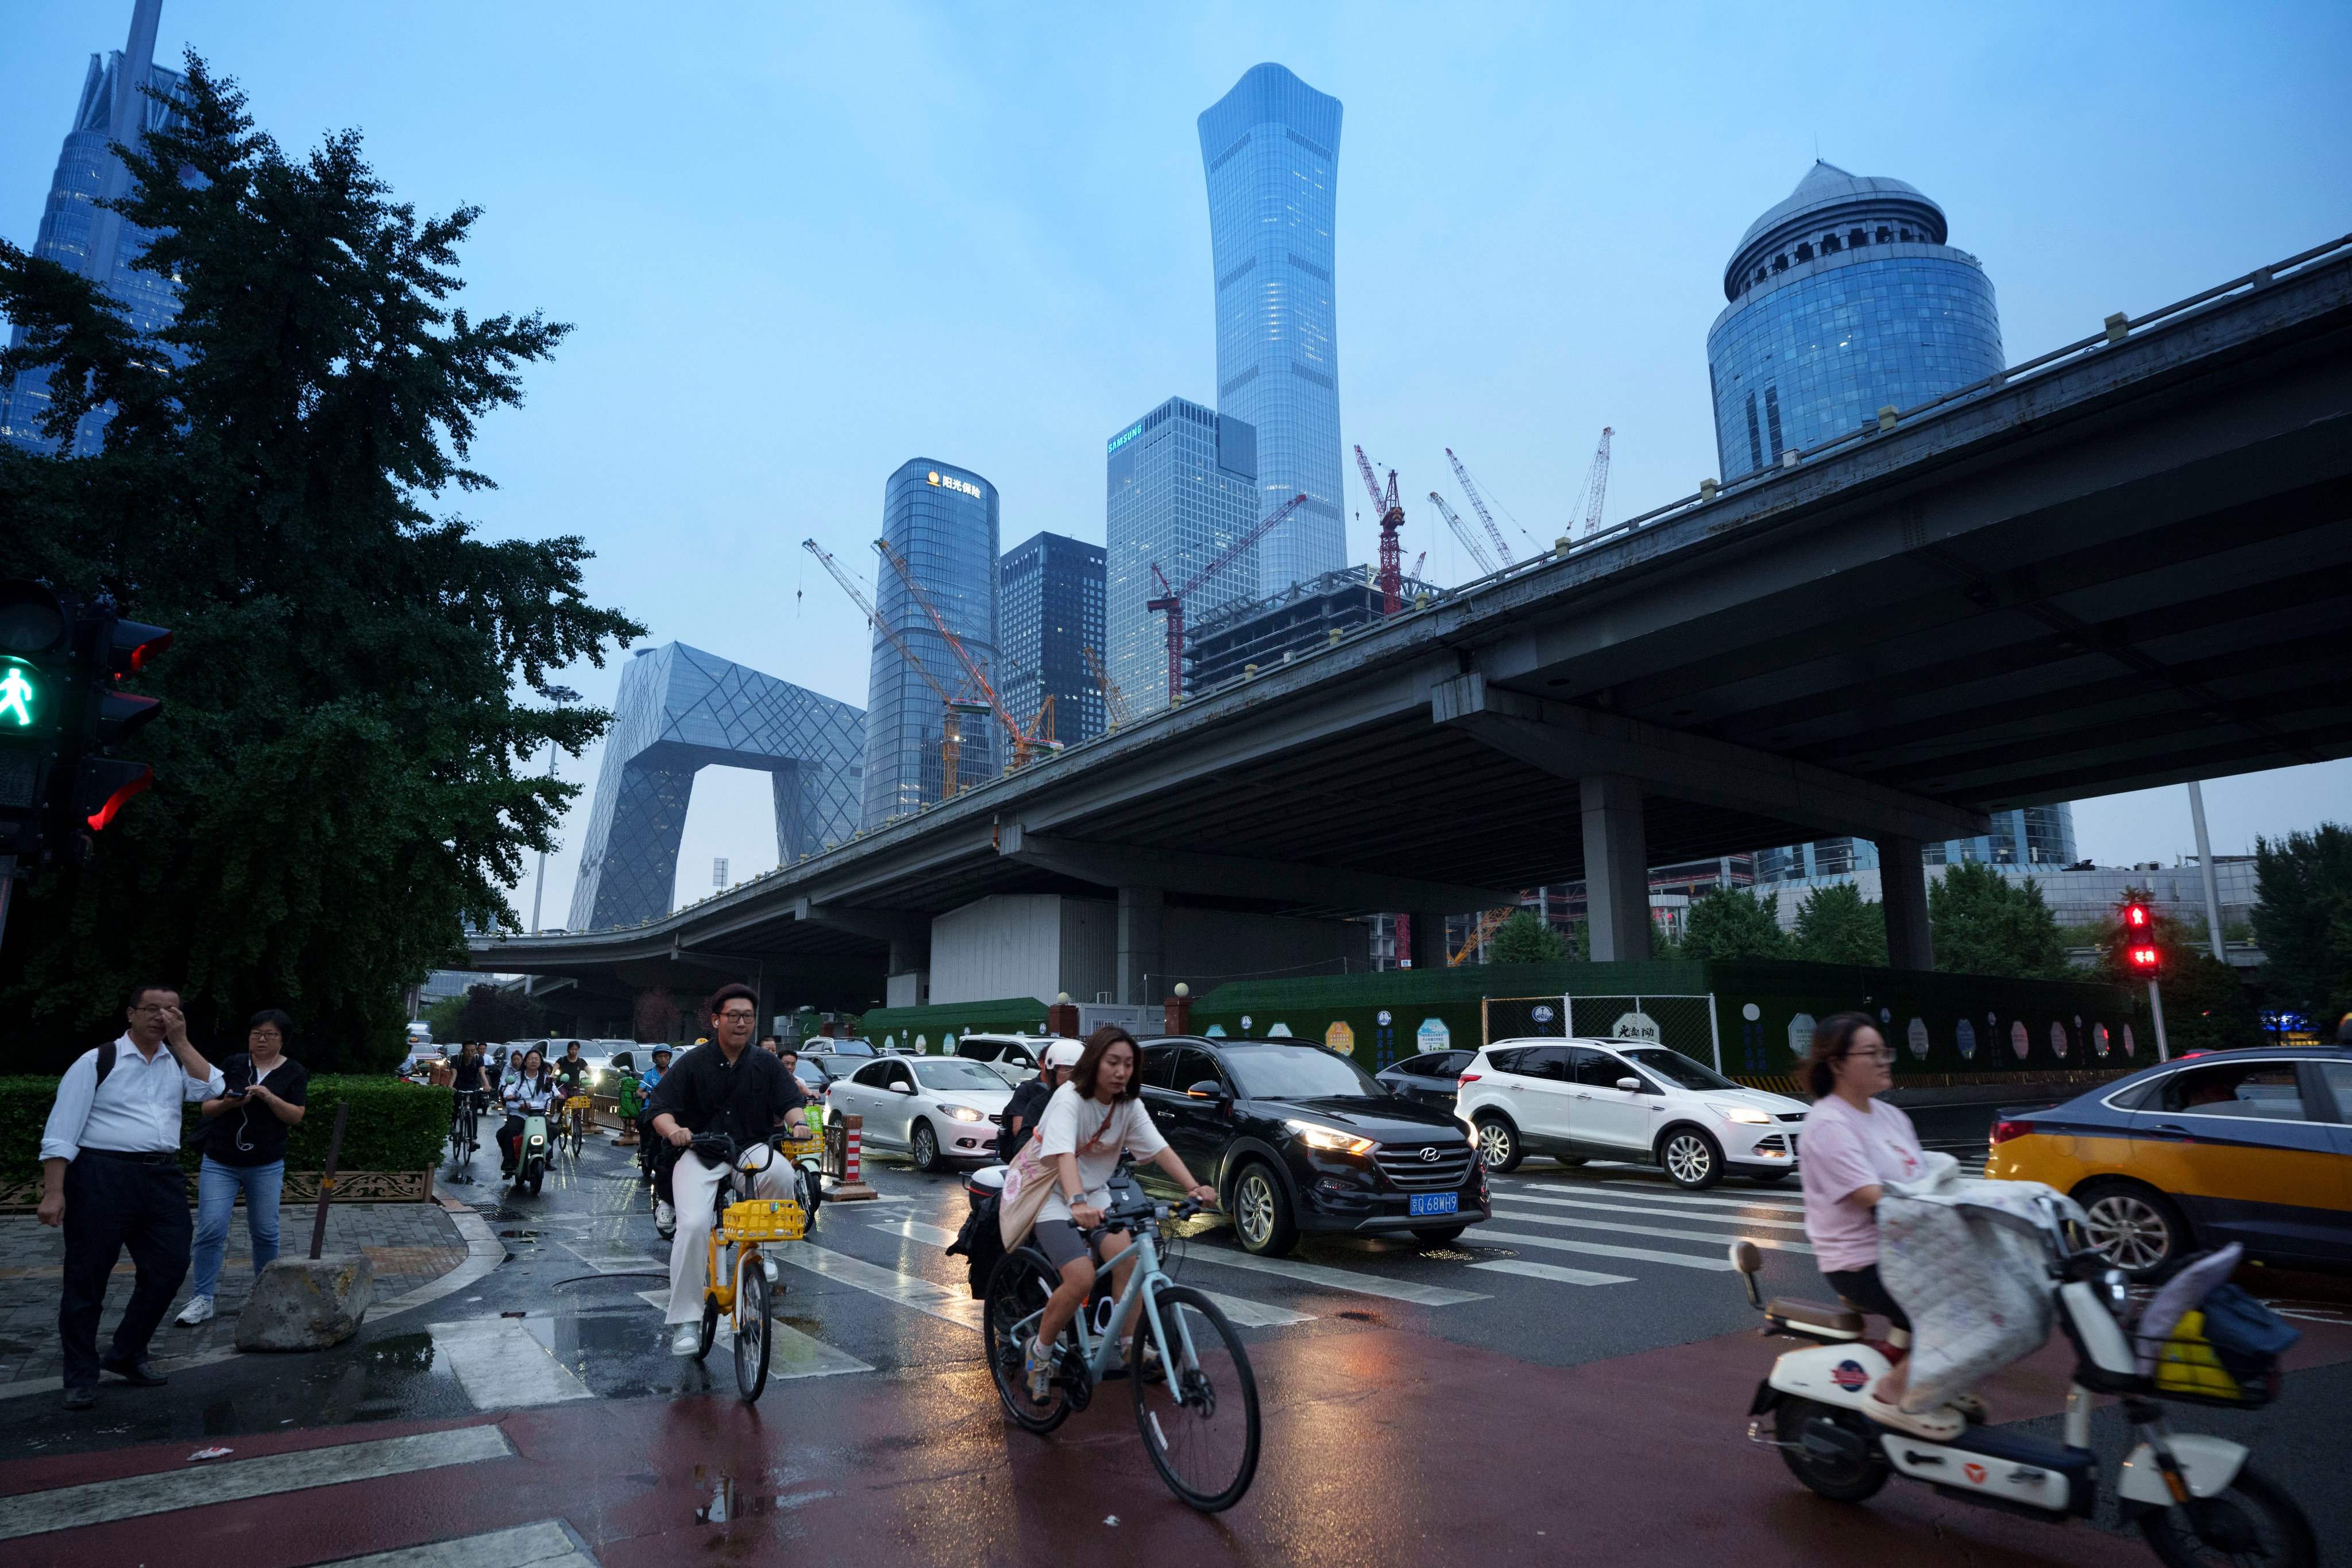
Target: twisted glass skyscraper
[{"x": 1272, "y": 150}]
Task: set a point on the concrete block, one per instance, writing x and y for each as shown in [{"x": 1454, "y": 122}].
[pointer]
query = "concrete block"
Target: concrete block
[{"x": 306, "y": 1304}]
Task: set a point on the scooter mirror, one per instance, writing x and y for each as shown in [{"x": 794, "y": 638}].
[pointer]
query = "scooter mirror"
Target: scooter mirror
[{"x": 1746, "y": 1256}]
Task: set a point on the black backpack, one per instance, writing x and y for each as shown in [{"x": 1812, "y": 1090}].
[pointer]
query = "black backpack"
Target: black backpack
[{"x": 982, "y": 1241}]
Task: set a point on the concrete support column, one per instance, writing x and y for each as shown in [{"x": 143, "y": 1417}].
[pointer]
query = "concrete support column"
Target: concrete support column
[
  {"x": 1428, "y": 940},
  {"x": 1616, "y": 868},
  {"x": 1140, "y": 967},
  {"x": 1902, "y": 884}
]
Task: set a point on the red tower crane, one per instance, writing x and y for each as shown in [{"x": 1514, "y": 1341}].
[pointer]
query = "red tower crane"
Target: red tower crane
[
  {"x": 1171, "y": 600},
  {"x": 1392, "y": 514},
  {"x": 952, "y": 711},
  {"x": 1024, "y": 742}
]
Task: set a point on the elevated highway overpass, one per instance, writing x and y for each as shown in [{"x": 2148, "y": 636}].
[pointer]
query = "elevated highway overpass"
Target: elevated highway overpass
[{"x": 2126, "y": 564}]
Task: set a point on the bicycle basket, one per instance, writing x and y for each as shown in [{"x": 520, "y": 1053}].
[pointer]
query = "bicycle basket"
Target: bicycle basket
[
  {"x": 2189, "y": 1368},
  {"x": 765, "y": 1219},
  {"x": 578, "y": 1102},
  {"x": 797, "y": 1147}
]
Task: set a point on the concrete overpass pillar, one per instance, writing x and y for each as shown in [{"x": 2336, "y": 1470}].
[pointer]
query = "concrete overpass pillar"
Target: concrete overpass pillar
[
  {"x": 1616, "y": 868},
  {"x": 1902, "y": 883},
  {"x": 1140, "y": 964},
  {"x": 1428, "y": 940}
]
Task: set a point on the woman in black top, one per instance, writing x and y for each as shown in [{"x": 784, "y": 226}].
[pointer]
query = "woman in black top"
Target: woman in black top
[{"x": 245, "y": 1151}]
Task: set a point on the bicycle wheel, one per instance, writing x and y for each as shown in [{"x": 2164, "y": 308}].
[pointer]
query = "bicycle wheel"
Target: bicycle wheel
[
  {"x": 753, "y": 1340},
  {"x": 1017, "y": 1292},
  {"x": 1197, "y": 1407}
]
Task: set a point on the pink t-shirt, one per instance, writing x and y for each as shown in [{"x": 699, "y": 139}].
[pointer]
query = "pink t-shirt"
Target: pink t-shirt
[{"x": 1841, "y": 1151}]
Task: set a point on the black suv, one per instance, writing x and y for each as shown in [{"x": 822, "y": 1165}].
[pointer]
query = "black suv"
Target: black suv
[{"x": 1297, "y": 1138}]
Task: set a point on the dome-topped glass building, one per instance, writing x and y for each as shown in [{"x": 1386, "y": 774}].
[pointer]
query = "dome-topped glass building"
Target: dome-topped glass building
[{"x": 1843, "y": 299}]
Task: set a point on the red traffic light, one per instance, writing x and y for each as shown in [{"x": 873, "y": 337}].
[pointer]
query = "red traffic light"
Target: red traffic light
[
  {"x": 2136, "y": 918},
  {"x": 104, "y": 785},
  {"x": 2143, "y": 958}
]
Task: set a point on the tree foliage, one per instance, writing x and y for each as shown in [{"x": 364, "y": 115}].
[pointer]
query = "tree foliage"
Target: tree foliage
[
  {"x": 2303, "y": 921},
  {"x": 341, "y": 772},
  {"x": 486, "y": 1013},
  {"x": 1835, "y": 926},
  {"x": 1986, "y": 924},
  {"x": 1526, "y": 939},
  {"x": 1732, "y": 922},
  {"x": 2206, "y": 1007}
]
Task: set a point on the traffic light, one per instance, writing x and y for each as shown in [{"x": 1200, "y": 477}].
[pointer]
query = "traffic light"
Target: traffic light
[
  {"x": 2139, "y": 922},
  {"x": 38, "y": 716},
  {"x": 101, "y": 784}
]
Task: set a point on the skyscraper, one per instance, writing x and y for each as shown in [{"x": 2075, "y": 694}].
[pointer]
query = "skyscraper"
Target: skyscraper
[
  {"x": 942, "y": 520},
  {"x": 78, "y": 234},
  {"x": 1272, "y": 151},
  {"x": 1050, "y": 610},
  {"x": 1844, "y": 300},
  {"x": 1183, "y": 487}
]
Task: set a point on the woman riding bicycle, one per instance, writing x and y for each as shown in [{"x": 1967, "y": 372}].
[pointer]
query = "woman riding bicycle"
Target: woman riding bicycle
[
  {"x": 530, "y": 1090},
  {"x": 1089, "y": 1122}
]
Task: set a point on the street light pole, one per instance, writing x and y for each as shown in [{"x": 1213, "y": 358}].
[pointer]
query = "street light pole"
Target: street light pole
[
  {"x": 563, "y": 696},
  {"x": 2205, "y": 865}
]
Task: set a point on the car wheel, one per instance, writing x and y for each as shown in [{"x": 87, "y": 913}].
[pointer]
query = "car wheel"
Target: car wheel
[
  {"x": 1499, "y": 1145},
  {"x": 1692, "y": 1159},
  {"x": 1439, "y": 1235},
  {"x": 1262, "y": 1215},
  {"x": 2137, "y": 1229},
  {"x": 924, "y": 1145}
]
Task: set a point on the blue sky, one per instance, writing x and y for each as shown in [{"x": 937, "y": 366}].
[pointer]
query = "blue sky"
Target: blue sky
[{"x": 802, "y": 245}]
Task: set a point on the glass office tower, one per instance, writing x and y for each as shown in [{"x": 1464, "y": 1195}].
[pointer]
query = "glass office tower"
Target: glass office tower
[
  {"x": 1272, "y": 150},
  {"x": 1050, "y": 611},
  {"x": 1183, "y": 488},
  {"x": 942, "y": 520},
  {"x": 78, "y": 235},
  {"x": 1845, "y": 299}
]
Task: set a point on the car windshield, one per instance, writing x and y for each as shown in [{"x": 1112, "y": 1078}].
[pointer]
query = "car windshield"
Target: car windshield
[
  {"x": 954, "y": 1072},
  {"x": 1676, "y": 1068},
  {"x": 1299, "y": 1072}
]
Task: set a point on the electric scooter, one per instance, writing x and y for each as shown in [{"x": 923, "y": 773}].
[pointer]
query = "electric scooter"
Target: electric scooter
[
  {"x": 531, "y": 1153},
  {"x": 2188, "y": 1494}
]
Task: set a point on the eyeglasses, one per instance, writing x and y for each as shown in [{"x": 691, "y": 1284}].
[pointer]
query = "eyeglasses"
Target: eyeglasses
[
  {"x": 149, "y": 1007},
  {"x": 735, "y": 1015},
  {"x": 1883, "y": 1054}
]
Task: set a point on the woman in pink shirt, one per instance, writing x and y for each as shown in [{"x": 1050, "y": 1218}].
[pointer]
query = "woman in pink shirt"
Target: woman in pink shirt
[{"x": 1853, "y": 1146}]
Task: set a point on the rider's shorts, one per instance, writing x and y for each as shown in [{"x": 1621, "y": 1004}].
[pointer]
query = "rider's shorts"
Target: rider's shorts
[{"x": 1062, "y": 1242}]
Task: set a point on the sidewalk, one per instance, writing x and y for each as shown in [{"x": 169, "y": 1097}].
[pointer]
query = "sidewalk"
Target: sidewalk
[{"x": 409, "y": 1245}]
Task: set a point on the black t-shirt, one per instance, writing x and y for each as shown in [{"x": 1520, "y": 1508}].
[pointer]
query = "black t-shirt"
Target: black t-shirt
[
  {"x": 745, "y": 1101},
  {"x": 248, "y": 1132},
  {"x": 472, "y": 1074},
  {"x": 1028, "y": 1103},
  {"x": 569, "y": 1073}
]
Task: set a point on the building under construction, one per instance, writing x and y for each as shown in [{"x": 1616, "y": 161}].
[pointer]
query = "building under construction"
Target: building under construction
[{"x": 1226, "y": 641}]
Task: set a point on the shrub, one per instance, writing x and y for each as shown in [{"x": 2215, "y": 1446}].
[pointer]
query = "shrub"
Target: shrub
[{"x": 393, "y": 1126}]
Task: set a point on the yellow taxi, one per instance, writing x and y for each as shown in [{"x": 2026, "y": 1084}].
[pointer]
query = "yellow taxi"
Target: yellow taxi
[{"x": 2250, "y": 1146}]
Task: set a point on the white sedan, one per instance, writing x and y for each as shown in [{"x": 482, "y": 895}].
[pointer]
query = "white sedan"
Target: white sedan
[{"x": 936, "y": 1109}]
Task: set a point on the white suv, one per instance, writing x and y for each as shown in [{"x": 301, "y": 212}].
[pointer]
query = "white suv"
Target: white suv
[{"x": 1624, "y": 1100}]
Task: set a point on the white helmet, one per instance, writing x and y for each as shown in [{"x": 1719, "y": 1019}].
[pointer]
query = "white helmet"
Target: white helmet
[{"x": 1064, "y": 1054}]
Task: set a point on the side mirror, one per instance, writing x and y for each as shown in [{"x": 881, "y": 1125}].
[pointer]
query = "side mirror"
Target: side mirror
[
  {"x": 1630, "y": 1085},
  {"x": 902, "y": 1088},
  {"x": 1207, "y": 1089}
]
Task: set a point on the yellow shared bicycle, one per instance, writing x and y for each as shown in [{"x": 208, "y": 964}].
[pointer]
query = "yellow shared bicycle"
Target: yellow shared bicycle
[{"x": 736, "y": 1281}]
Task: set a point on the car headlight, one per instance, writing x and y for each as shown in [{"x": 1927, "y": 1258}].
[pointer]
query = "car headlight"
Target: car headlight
[
  {"x": 1740, "y": 1113},
  {"x": 964, "y": 1113},
  {"x": 1338, "y": 1143}
]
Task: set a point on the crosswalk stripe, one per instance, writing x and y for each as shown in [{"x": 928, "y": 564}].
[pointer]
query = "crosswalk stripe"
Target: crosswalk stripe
[
  {"x": 1334, "y": 1279},
  {"x": 791, "y": 1353},
  {"x": 546, "y": 1544},
  {"x": 1551, "y": 1272},
  {"x": 1625, "y": 1206},
  {"x": 916, "y": 1230},
  {"x": 1601, "y": 1250},
  {"x": 500, "y": 1363},
  {"x": 1247, "y": 1313},
  {"x": 1769, "y": 1243},
  {"x": 137, "y": 1497},
  {"x": 953, "y": 1303},
  {"x": 1784, "y": 1205}
]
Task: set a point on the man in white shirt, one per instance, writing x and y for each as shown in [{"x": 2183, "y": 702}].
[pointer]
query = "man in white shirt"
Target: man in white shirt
[{"x": 110, "y": 1174}]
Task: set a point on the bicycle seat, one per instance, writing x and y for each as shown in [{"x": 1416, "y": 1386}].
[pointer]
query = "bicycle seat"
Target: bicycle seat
[{"x": 1828, "y": 1320}]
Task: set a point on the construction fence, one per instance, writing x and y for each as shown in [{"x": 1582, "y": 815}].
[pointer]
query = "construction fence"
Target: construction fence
[{"x": 1682, "y": 1022}]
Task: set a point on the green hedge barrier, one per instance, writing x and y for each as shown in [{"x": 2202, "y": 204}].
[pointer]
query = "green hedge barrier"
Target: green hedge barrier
[{"x": 393, "y": 1126}]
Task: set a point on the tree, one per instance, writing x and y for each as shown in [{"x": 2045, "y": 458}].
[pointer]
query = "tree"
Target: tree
[
  {"x": 1526, "y": 939},
  {"x": 489, "y": 1012},
  {"x": 1835, "y": 926},
  {"x": 1731, "y": 923},
  {"x": 342, "y": 772},
  {"x": 2302, "y": 920},
  {"x": 1983, "y": 923}
]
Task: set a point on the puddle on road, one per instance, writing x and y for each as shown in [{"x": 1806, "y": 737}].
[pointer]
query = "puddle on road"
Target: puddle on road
[{"x": 729, "y": 1500}]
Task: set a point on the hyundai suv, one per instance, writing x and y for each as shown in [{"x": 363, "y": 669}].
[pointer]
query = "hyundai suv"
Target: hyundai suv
[
  {"x": 1296, "y": 1138},
  {"x": 1624, "y": 1100}
]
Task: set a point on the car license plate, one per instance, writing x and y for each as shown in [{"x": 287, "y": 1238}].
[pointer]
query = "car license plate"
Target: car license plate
[{"x": 1436, "y": 1202}]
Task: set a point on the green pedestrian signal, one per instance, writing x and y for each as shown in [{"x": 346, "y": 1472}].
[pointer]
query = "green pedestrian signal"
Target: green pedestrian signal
[{"x": 17, "y": 697}]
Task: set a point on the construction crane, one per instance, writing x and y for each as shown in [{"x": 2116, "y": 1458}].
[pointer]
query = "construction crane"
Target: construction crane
[
  {"x": 1114, "y": 701},
  {"x": 1025, "y": 743},
  {"x": 953, "y": 711},
  {"x": 1596, "y": 487},
  {"x": 1392, "y": 515},
  {"x": 1171, "y": 600},
  {"x": 1482, "y": 932},
  {"x": 1478, "y": 505},
  {"x": 1470, "y": 541}
]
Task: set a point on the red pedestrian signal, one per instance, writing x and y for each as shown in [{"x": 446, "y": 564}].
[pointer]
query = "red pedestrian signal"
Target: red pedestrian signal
[
  {"x": 2138, "y": 921},
  {"x": 2143, "y": 958}
]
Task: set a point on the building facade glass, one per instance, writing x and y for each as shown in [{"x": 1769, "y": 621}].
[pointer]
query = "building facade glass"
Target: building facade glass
[
  {"x": 942, "y": 522},
  {"x": 1181, "y": 488},
  {"x": 1050, "y": 608},
  {"x": 73, "y": 228},
  {"x": 1271, "y": 148}
]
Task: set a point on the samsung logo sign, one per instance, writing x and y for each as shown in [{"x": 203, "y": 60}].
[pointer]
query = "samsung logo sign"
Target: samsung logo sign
[
  {"x": 1123, "y": 437},
  {"x": 949, "y": 482}
]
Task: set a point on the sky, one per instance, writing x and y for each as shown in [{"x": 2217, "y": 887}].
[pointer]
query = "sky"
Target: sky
[{"x": 802, "y": 245}]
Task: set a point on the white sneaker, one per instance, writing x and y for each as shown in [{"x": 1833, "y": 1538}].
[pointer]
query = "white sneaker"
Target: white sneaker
[
  {"x": 199, "y": 1310},
  {"x": 665, "y": 1217},
  {"x": 1940, "y": 1425},
  {"x": 687, "y": 1341}
]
